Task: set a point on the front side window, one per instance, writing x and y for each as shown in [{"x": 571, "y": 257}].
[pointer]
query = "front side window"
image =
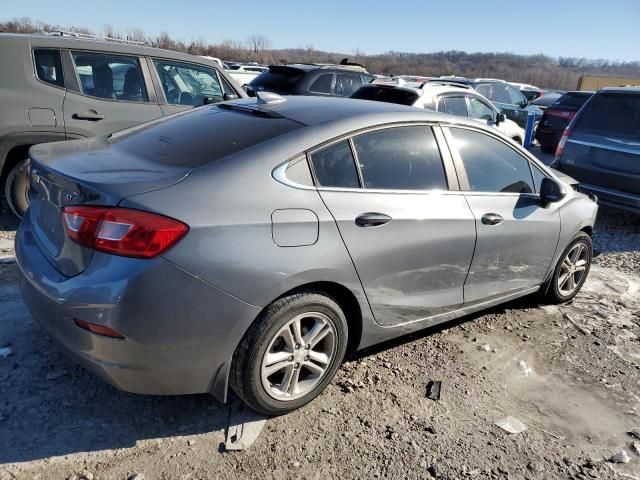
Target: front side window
[
  {"x": 348, "y": 83},
  {"x": 112, "y": 77},
  {"x": 185, "y": 84},
  {"x": 334, "y": 166},
  {"x": 455, "y": 106},
  {"x": 401, "y": 158},
  {"x": 49, "y": 66},
  {"x": 496, "y": 92},
  {"x": 322, "y": 84},
  {"x": 491, "y": 165},
  {"x": 538, "y": 176},
  {"x": 515, "y": 96},
  {"x": 478, "y": 109}
]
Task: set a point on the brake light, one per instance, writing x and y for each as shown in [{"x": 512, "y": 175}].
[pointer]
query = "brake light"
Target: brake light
[
  {"x": 561, "y": 144},
  {"x": 564, "y": 114},
  {"x": 122, "y": 231}
]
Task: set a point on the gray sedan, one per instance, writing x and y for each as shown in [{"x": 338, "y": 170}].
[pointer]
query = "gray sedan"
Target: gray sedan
[{"x": 253, "y": 243}]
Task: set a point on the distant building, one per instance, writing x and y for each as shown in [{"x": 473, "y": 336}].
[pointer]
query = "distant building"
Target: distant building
[{"x": 596, "y": 82}]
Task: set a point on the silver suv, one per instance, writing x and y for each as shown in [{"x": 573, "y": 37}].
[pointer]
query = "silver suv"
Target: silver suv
[{"x": 63, "y": 87}]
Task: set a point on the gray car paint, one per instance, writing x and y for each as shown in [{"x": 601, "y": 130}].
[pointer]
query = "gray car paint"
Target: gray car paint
[{"x": 228, "y": 267}]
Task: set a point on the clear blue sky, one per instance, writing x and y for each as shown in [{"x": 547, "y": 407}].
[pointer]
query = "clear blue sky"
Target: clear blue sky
[{"x": 589, "y": 28}]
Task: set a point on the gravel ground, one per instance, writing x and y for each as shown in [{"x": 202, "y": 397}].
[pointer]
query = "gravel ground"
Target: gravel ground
[{"x": 569, "y": 373}]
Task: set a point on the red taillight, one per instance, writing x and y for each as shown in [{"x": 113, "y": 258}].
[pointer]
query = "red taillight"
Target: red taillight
[
  {"x": 564, "y": 114},
  {"x": 122, "y": 231},
  {"x": 99, "y": 329},
  {"x": 563, "y": 141}
]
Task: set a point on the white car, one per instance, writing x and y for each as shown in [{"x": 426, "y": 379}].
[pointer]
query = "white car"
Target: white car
[
  {"x": 244, "y": 74},
  {"x": 442, "y": 97}
]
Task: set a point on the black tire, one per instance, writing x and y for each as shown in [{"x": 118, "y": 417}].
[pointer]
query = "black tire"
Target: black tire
[
  {"x": 245, "y": 374},
  {"x": 547, "y": 148},
  {"x": 554, "y": 293},
  {"x": 16, "y": 189}
]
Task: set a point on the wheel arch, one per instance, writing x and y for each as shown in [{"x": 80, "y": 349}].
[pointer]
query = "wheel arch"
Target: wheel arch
[{"x": 15, "y": 147}]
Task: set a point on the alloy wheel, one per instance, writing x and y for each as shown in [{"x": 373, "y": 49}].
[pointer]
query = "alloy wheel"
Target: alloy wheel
[
  {"x": 298, "y": 357},
  {"x": 572, "y": 269}
]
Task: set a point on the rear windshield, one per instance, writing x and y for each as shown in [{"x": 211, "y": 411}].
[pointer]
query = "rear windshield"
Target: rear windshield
[
  {"x": 384, "y": 94},
  {"x": 278, "y": 81},
  {"x": 572, "y": 100},
  {"x": 200, "y": 136},
  {"x": 611, "y": 114}
]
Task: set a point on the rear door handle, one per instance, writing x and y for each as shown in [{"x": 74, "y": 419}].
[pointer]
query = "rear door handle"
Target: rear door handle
[
  {"x": 90, "y": 115},
  {"x": 372, "y": 219},
  {"x": 491, "y": 219}
]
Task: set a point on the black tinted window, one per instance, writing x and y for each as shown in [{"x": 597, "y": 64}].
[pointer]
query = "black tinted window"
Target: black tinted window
[
  {"x": 276, "y": 80},
  {"x": 455, "y": 106},
  {"x": 403, "y": 158},
  {"x": 386, "y": 94},
  {"x": 49, "y": 66},
  {"x": 112, "y": 77},
  {"x": 200, "y": 136},
  {"x": 491, "y": 165},
  {"x": 613, "y": 115},
  {"x": 322, "y": 84},
  {"x": 348, "y": 83},
  {"x": 572, "y": 100},
  {"x": 496, "y": 92},
  {"x": 334, "y": 166}
]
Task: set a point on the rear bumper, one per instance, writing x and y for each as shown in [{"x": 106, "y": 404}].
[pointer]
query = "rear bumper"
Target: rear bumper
[
  {"x": 179, "y": 331},
  {"x": 548, "y": 137},
  {"x": 613, "y": 198}
]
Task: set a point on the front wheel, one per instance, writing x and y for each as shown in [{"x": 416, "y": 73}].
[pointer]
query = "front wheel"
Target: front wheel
[
  {"x": 16, "y": 189},
  {"x": 572, "y": 269},
  {"x": 290, "y": 354}
]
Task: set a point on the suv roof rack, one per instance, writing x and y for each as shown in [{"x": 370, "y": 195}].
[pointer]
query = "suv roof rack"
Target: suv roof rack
[{"x": 91, "y": 36}]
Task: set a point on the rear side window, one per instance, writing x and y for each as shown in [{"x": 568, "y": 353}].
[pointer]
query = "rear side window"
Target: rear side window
[
  {"x": 455, "y": 106},
  {"x": 200, "y": 136},
  {"x": 334, "y": 166},
  {"x": 49, "y": 66},
  {"x": 402, "y": 158},
  {"x": 277, "y": 80},
  {"x": 112, "y": 77},
  {"x": 613, "y": 115},
  {"x": 386, "y": 94},
  {"x": 322, "y": 84},
  {"x": 492, "y": 166}
]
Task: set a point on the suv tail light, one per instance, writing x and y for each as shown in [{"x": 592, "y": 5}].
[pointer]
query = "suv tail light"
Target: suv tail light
[
  {"x": 122, "y": 231},
  {"x": 564, "y": 114},
  {"x": 561, "y": 144}
]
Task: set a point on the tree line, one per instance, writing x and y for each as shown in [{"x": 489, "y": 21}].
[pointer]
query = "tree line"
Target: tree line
[{"x": 541, "y": 70}]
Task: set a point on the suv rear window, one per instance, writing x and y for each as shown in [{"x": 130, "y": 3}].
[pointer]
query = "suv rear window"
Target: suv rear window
[
  {"x": 572, "y": 100},
  {"x": 200, "y": 136},
  {"x": 386, "y": 94},
  {"x": 613, "y": 115},
  {"x": 278, "y": 80}
]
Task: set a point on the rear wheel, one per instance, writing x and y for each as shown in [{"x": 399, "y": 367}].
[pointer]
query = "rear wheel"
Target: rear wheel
[
  {"x": 16, "y": 189},
  {"x": 572, "y": 269},
  {"x": 290, "y": 353}
]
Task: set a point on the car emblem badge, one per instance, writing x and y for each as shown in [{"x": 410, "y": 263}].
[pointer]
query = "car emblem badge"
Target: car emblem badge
[{"x": 69, "y": 197}]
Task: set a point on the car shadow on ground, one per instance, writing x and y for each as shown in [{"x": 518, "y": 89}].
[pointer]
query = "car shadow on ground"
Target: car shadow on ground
[{"x": 49, "y": 406}]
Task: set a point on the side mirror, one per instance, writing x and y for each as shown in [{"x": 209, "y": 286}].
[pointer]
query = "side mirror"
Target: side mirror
[
  {"x": 500, "y": 117},
  {"x": 551, "y": 191},
  {"x": 229, "y": 96}
]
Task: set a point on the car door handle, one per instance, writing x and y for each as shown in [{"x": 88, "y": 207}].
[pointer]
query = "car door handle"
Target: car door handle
[
  {"x": 491, "y": 219},
  {"x": 90, "y": 115},
  {"x": 372, "y": 219}
]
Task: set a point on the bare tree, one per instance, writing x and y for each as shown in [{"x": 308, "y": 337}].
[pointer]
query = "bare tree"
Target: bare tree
[
  {"x": 136, "y": 35},
  {"x": 258, "y": 43}
]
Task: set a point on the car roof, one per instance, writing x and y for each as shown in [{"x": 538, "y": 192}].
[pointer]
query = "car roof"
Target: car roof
[
  {"x": 308, "y": 67},
  {"x": 316, "y": 110},
  {"x": 102, "y": 45},
  {"x": 628, "y": 89}
]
